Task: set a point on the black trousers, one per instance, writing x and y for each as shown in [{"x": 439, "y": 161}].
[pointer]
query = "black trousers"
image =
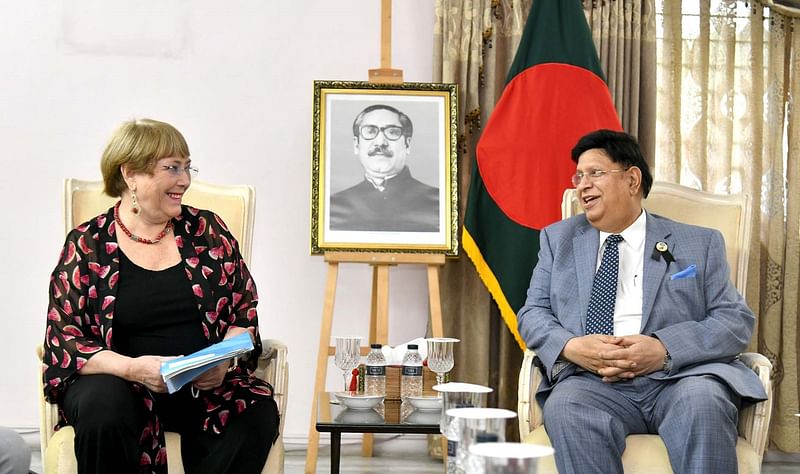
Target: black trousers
[{"x": 108, "y": 418}]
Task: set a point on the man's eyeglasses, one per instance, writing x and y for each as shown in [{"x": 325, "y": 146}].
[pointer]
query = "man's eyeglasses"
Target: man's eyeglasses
[
  {"x": 593, "y": 175},
  {"x": 175, "y": 171},
  {"x": 391, "y": 132}
]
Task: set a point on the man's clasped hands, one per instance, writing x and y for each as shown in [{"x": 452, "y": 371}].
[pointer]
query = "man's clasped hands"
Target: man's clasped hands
[{"x": 616, "y": 358}]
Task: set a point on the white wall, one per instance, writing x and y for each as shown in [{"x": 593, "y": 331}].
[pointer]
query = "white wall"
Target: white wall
[{"x": 236, "y": 78}]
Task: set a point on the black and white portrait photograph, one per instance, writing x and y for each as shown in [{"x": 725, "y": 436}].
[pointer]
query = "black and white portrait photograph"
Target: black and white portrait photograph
[{"x": 384, "y": 167}]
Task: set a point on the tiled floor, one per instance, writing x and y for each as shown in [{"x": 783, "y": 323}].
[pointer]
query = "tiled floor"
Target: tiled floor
[
  {"x": 408, "y": 454},
  {"x": 398, "y": 454}
]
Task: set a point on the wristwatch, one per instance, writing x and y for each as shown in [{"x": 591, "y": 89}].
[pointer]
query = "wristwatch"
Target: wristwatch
[{"x": 667, "y": 362}]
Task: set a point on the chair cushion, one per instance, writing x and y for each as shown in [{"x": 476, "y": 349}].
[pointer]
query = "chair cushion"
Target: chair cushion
[
  {"x": 60, "y": 455},
  {"x": 647, "y": 454},
  {"x": 539, "y": 436},
  {"x": 275, "y": 459}
]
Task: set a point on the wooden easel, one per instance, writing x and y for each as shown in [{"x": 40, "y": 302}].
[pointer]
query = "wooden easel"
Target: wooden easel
[
  {"x": 378, "y": 321},
  {"x": 385, "y": 74},
  {"x": 379, "y": 311}
]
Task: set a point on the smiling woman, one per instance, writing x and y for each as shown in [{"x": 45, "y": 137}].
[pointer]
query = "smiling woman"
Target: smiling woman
[{"x": 170, "y": 282}]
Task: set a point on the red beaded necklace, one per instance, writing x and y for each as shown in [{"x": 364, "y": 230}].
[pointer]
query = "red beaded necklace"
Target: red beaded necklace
[{"x": 136, "y": 238}]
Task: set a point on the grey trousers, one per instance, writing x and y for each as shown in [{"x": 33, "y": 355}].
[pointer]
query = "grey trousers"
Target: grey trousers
[
  {"x": 15, "y": 455},
  {"x": 587, "y": 421}
]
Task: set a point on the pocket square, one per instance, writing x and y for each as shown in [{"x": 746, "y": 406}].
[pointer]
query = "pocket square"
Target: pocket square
[{"x": 688, "y": 272}]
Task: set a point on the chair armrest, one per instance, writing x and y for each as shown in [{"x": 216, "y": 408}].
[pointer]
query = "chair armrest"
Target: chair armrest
[
  {"x": 754, "y": 419},
  {"x": 273, "y": 366},
  {"x": 528, "y": 412}
]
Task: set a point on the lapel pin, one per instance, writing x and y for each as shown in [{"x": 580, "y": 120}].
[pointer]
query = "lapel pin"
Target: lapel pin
[{"x": 663, "y": 249}]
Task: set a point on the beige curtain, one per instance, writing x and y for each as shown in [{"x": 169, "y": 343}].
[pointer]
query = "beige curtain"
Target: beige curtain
[
  {"x": 474, "y": 45},
  {"x": 727, "y": 73},
  {"x": 624, "y": 35}
]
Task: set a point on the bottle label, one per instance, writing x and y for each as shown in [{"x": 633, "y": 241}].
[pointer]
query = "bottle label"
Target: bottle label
[
  {"x": 412, "y": 370},
  {"x": 378, "y": 370},
  {"x": 452, "y": 447},
  {"x": 486, "y": 437}
]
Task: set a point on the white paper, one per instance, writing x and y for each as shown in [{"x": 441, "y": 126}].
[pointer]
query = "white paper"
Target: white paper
[{"x": 394, "y": 355}]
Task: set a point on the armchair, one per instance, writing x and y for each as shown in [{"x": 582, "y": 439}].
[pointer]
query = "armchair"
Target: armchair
[
  {"x": 647, "y": 453},
  {"x": 236, "y": 205},
  {"x": 58, "y": 453}
]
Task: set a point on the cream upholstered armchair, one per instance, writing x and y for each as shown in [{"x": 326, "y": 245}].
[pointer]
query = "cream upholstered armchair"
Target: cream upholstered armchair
[
  {"x": 236, "y": 205},
  {"x": 730, "y": 214}
]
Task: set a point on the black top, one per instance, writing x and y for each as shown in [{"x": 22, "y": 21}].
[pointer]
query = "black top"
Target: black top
[{"x": 156, "y": 312}]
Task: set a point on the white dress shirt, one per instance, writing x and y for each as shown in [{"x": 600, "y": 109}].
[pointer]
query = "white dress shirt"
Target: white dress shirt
[{"x": 628, "y": 307}]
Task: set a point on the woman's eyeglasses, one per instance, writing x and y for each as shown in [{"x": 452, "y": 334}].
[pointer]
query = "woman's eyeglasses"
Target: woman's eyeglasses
[{"x": 175, "y": 171}]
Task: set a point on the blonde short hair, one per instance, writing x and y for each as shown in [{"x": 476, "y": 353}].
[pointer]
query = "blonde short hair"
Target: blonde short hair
[{"x": 139, "y": 144}]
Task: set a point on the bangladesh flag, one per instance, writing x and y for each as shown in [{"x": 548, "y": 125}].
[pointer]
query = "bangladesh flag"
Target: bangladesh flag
[{"x": 555, "y": 93}]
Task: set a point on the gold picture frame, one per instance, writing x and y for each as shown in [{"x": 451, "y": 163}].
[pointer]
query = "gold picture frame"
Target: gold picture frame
[{"x": 384, "y": 168}]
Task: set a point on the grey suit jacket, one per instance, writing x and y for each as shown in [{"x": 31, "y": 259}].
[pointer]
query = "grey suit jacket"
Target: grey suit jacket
[{"x": 702, "y": 320}]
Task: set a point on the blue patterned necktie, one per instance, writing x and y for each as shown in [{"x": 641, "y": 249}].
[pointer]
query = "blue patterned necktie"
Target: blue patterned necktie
[{"x": 600, "y": 317}]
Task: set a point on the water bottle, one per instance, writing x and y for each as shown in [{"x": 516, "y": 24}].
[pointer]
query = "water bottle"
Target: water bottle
[
  {"x": 452, "y": 434},
  {"x": 411, "y": 378},
  {"x": 375, "y": 377}
]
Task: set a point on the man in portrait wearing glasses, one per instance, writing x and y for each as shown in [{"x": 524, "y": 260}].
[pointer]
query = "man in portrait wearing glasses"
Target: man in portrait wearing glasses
[
  {"x": 636, "y": 325},
  {"x": 388, "y": 199}
]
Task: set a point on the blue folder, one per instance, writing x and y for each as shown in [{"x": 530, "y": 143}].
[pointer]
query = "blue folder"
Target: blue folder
[{"x": 182, "y": 370}]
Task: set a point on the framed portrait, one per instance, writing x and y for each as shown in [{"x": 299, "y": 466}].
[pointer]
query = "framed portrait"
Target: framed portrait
[{"x": 384, "y": 174}]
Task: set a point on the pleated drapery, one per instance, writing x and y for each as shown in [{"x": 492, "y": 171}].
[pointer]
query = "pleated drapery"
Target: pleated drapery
[
  {"x": 474, "y": 46},
  {"x": 728, "y": 122},
  {"x": 720, "y": 117}
]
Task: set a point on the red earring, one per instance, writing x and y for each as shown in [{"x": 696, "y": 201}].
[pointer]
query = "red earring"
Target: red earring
[{"x": 134, "y": 203}]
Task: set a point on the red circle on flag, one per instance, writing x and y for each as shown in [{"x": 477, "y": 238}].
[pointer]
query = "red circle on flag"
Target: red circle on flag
[{"x": 524, "y": 151}]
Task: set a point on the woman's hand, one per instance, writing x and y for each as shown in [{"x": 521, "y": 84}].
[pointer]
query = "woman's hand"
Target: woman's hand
[
  {"x": 213, "y": 377},
  {"x": 146, "y": 370},
  {"x": 234, "y": 331}
]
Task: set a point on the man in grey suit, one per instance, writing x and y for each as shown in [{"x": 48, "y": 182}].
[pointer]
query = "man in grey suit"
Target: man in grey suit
[
  {"x": 15, "y": 455},
  {"x": 636, "y": 325}
]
